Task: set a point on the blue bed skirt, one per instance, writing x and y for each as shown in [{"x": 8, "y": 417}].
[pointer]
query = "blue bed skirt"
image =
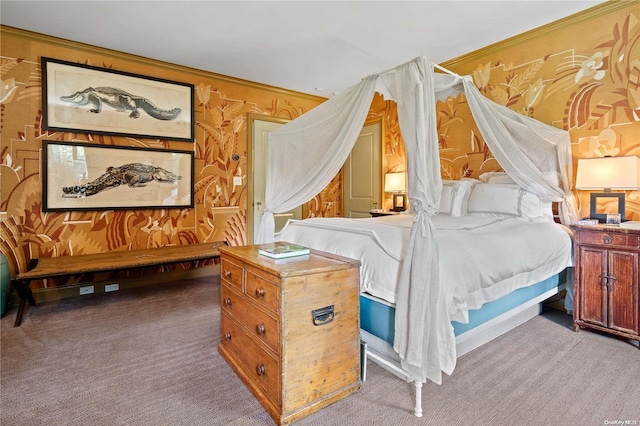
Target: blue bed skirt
[{"x": 378, "y": 318}]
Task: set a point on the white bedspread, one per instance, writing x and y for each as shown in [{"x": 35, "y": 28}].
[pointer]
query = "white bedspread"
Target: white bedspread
[{"x": 481, "y": 258}]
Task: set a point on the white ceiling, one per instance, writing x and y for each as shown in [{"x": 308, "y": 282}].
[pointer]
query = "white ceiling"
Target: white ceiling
[{"x": 317, "y": 47}]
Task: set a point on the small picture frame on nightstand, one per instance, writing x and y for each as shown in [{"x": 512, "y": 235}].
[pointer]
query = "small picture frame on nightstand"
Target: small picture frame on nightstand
[{"x": 613, "y": 219}]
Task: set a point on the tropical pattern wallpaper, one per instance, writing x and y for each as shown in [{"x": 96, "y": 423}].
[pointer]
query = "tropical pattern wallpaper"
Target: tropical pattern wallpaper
[
  {"x": 582, "y": 76},
  {"x": 584, "y": 79},
  {"x": 222, "y": 105}
]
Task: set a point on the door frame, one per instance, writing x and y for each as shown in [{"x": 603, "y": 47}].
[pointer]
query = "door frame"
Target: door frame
[
  {"x": 383, "y": 163},
  {"x": 251, "y": 119}
]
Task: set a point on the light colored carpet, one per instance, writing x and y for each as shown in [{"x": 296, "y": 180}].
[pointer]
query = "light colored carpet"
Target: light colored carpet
[{"x": 149, "y": 356}]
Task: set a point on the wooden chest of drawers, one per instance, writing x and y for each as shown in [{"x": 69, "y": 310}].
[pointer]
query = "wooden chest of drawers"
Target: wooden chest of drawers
[{"x": 290, "y": 328}]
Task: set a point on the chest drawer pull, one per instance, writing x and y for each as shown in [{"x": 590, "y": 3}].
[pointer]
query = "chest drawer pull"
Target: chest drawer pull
[
  {"x": 227, "y": 274},
  {"x": 260, "y": 292},
  {"x": 260, "y": 370},
  {"x": 323, "y": 315},
  {"x": 607, "y": 239},
  {"x": 261, "y": 329},
  {"x": 227, "y": 335},
  {"x": 227, "y": 301}
]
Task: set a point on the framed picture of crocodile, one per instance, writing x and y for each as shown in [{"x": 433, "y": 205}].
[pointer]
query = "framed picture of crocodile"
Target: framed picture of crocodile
[
  {"x": 82, "y": 98},
  {"x": 77, "y": 176}
]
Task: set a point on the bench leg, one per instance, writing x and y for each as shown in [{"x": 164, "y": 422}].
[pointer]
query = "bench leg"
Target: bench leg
[{"x": 26, "y": 295}]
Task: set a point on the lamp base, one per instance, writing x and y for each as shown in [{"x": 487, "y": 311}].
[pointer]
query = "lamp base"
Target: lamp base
[
  {"x": 399, "y": 202},
  {"x": 602, "y": 217}
]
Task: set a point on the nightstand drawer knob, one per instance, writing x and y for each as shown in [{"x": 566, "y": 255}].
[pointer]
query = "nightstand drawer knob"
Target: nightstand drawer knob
[
  {"x": 227, "y": 336},
  {"x": 261, "y": 329},
  {"x": 260, "y": 292},
  {"x": 227, "y": 274},
  {"x": 608, "y": 239},
  {"x": 227, "y": 301},
  {"x": 260, "y": 370}
]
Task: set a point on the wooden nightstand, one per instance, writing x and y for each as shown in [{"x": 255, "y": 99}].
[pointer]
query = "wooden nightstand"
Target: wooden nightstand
[
  {"x": 290, "y": 328},
  {"x": 382, "y": 213},
  {"x": 606, "y": 291}
]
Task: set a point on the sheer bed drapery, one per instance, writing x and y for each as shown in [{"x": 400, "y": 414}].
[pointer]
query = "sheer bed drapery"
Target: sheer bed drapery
[{"x": 305, "y": 154}]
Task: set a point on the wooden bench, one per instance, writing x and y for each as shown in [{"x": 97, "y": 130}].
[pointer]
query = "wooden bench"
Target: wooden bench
[{"x": 51, "y": 267}]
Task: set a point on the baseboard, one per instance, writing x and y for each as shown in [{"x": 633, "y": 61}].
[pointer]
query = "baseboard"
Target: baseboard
[{"x": 51, "y": 294}]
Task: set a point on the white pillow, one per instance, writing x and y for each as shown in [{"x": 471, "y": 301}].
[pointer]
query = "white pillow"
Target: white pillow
[
  {"x": 496, "y": 177},
  {"x": 454, "y": 199},
  {"x": 489, "y": 199},
  {"x": 547, "y": 211}
]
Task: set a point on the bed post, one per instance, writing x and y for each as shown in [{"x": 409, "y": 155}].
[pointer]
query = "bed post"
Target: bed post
[{"x": 417, "y": 410}]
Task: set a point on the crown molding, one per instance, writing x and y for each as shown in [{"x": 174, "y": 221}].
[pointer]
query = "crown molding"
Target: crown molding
[
  {"x": 83, "y": 47},
  {"x": 585, "y": 15}
]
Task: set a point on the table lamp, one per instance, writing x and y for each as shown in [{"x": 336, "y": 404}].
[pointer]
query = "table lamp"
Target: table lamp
[
  {"x": 608, "y": 173},
  {"x": 396, "y": 183}
]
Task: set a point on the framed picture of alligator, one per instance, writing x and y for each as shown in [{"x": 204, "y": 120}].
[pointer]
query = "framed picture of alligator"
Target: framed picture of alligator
[
  {"x": 77, "y": 176},
  {"x": 82, "y": 98}
]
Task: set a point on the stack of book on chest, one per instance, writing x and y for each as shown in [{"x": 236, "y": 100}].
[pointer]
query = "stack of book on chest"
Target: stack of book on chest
[{"x": 281, "y": 250}]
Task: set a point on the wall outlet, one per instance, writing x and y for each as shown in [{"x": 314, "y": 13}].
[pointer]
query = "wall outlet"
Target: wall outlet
[
  {"x": 237, "y": 180},
  {"x": 86, "y": 290},
  {"x": 111, "y": 287}
]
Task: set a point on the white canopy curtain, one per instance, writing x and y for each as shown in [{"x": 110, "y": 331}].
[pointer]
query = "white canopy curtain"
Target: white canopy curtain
[
  {"x": 537, "y": 156},
  {"x": 305, "y": 154}
]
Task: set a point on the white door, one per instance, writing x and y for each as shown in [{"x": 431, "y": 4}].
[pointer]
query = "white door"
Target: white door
[
  {"x": 260, "y": 127},
  {"x": 362, "y": 176}
]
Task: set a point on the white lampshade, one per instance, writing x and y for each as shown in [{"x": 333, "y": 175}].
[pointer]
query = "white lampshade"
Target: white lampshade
[
  {"x": 608, "y": 173},
  {"x": 395, "y": 182}
]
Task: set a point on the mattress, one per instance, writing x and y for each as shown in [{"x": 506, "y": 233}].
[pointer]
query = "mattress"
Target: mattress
[
  {"x": 378, "y": 317},
  {"x": 481, "y": 258}
]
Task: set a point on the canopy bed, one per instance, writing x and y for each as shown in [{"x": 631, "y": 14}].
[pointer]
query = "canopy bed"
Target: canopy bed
[{"x": 535, "y": 156}]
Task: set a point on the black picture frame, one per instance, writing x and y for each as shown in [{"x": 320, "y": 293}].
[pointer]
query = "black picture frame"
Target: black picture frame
[
  {"x": 596, "y": 197},
  {"x": 78, "y": 176},
  {"x": 81, "y": 98}
]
